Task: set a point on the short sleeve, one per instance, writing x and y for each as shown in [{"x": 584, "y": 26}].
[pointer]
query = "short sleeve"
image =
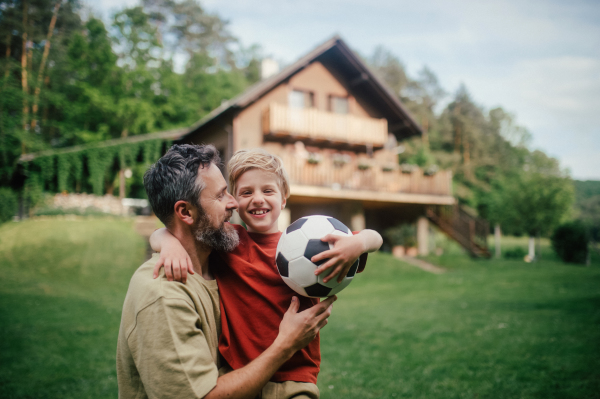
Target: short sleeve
[{"x": 171, "y": 352}]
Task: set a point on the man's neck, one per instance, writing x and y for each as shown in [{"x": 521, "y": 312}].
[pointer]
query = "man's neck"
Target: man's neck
[{"x": 197, "y": 251}]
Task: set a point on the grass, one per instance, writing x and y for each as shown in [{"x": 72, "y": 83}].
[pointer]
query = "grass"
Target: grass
[
  {"x": 61, "y": 293},
  {"x": 486, "y": 329}
]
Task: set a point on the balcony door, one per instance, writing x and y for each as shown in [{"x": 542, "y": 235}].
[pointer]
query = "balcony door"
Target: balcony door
[
  {"x": 301, "y": 99},
  {"x": 299, "y": 102}
]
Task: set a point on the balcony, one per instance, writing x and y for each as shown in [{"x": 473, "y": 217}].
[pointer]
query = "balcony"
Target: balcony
[
  {"x": 362, "y": 178},
  {"x": 281, "y": 121}
]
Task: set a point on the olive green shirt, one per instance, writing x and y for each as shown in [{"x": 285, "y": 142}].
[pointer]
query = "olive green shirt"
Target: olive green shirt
[{"x": 168, "y": 339}]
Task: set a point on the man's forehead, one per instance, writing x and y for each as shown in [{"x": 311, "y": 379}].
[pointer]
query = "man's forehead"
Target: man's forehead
[{"x": 212, "y": 177}]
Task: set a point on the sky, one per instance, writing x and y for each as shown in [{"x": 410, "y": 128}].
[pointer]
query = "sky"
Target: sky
[{"x": 539, "y": 60}]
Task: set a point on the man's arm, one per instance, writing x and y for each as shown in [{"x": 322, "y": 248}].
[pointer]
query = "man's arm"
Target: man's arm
[
  {"x": 295, "y": 332},
  {"x": 173, "y": 357}
]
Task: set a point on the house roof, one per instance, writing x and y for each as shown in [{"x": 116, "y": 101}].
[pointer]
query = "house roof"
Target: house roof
[{"x": 336, "y": 56}]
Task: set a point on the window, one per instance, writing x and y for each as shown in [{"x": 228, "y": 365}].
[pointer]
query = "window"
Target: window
[
  {"x": 338, "y": 105},
  {"x": 301, "y": 99}
]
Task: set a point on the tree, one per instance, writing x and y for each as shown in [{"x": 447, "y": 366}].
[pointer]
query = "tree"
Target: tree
[{"x": 533, "y": 201}]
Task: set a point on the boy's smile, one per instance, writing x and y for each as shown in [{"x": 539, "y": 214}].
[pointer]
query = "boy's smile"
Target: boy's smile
[{"x": 260, "y": 201}]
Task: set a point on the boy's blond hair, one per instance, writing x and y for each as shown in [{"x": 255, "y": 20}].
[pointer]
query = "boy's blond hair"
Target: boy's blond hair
[{"x": 257, "y": 158}]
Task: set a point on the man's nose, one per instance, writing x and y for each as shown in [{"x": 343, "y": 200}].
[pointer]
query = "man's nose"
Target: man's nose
[{"x": 232, "y": 203}]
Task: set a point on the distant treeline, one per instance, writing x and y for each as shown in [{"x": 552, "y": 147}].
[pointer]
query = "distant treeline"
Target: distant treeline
[{"x": 67, "y": 79}]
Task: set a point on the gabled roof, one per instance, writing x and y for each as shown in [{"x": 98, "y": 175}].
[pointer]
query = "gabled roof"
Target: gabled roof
[{"x": 336, "y": 56}]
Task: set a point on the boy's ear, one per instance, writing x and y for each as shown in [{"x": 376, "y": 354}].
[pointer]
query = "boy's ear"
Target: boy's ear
[
  {"x": 185, "y": 212},
  {"x": 283, "y": 202}
]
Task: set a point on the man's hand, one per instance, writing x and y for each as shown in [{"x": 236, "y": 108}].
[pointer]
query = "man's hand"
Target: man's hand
[
  {"x": 295, "y": 332},
  {"x": 173, "y": 256},
  {"x": 298, "y": 329},
  {"x": 346, "y": 250}
]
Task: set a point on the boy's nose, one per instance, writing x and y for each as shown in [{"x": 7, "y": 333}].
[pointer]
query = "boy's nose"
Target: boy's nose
[{"x": 258, "y": 199}]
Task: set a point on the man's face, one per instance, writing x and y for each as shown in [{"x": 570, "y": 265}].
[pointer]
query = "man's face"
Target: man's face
[{"x": 217, "y": 206}]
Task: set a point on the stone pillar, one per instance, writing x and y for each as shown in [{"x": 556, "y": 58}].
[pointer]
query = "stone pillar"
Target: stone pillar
[
  {"x": 122, "y": 184},
  {"x": 531, "y": 248},
  {"x": 285, "y": 219},
  {"x": 357, "y": 220},
  {"x": 423, "y": 236},
  {"x": 497, "y": 240}
]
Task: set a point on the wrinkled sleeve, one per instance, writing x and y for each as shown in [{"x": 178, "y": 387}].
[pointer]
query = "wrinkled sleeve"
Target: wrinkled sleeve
[{"x": 171, "y": 352}]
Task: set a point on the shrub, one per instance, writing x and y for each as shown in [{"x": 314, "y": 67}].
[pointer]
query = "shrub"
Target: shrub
[
  {"x": 515, "y": 253},
  {"x": 570, "y": 242},
  {"x": 404, "y": 234},
  {"x": 8, "y": 204}
]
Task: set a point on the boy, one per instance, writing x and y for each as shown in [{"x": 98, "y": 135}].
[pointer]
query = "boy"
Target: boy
[{"x": 253, "y": 297}]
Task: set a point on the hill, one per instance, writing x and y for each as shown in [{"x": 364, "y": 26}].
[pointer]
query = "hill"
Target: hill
[{"x": 585, "y": 189}]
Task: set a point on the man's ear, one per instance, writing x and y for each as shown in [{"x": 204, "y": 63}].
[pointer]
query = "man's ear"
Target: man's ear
[{"x": 185, "y": 212}]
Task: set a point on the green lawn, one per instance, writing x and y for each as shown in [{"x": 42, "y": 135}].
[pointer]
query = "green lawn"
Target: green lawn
[
  {"x": 485, "y": 329},
  {"x": 61, "y": 293}
]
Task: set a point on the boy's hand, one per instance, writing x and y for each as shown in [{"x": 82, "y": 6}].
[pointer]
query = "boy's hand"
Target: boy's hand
[
  {"x": 176, "y": 261},
  {"x": 346, "y": 250}
]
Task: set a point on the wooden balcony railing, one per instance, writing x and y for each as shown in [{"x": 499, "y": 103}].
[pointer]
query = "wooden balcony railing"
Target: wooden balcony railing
[
  {"x": 319, "y": 125},
  {"x": 354, "y": 175}
]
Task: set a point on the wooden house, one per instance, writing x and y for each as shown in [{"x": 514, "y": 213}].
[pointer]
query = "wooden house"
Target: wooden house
[{"x": 338, "y": 129}]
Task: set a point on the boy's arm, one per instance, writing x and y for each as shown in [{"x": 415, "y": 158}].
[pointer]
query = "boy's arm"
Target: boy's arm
[
  {"x": 173, "y": 256},
  {"x": 345, "y": 252}
]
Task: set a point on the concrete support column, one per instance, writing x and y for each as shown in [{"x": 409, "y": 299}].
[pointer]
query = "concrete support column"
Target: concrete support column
[
  {"x": 284, "y": 219},
  {"x": 531, "y": 248},
  {"x": 357, "y": 220},
  {"x": 423, "y": 236},
  {"x": 497, "y": 240}
]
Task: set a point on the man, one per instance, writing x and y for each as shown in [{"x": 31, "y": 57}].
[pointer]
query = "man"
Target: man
[{"x": 169, "y": 331}]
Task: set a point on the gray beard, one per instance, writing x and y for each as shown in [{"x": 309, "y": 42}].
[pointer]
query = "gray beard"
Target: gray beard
[{"x": 223, "y": 238}]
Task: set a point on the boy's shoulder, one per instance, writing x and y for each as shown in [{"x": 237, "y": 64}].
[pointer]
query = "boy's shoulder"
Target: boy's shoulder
[{"x": 240, "y": 229}]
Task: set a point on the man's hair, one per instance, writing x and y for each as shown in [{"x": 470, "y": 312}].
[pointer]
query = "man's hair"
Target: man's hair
[
  {"x": 257, "y": 158},
  {"x": 174, "y": 177}
]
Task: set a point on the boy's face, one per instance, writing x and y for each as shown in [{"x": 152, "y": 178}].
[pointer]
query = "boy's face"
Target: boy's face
[{"x": 260, "y": 201}]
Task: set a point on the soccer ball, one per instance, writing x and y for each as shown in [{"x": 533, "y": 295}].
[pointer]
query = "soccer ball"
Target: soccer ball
[{"x": 298, "y": 244}]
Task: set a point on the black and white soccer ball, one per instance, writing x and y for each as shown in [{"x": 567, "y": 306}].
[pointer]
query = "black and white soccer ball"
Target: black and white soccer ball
[{"x": 298, "y": 244}]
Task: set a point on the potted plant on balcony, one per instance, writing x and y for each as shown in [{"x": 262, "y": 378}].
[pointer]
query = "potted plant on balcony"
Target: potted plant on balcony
[
  {"x": 363, "y": 164},
  {"x": 388, "y": 167},
  {"x": 408, "y": 168},
  {"x": 313, "y": 158},
  {"x": 431, "y": 170},
  {"x": 340, "y": 160}
]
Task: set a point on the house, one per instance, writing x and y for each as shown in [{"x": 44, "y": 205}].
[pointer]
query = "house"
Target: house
[{"x": 337, "y": 128}]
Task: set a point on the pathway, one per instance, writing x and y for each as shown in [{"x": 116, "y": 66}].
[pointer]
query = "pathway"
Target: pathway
[{"x": 428, "y": 267}]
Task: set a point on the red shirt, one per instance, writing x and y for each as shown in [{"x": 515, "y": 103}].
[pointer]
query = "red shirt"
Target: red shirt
[{"x": 254, "y": 299}]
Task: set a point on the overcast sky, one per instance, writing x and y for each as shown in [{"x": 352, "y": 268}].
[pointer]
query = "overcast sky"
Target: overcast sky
[{"x": 537, "y": 59}]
